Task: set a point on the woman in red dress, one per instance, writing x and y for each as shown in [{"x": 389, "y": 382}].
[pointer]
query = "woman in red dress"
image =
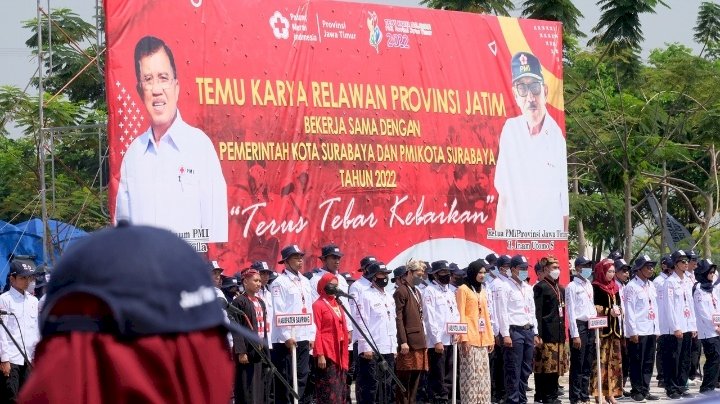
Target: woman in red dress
[{"x": 331, "y": 346}]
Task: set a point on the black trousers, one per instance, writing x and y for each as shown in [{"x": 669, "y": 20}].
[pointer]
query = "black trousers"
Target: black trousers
[
  {"x": 581, "y": 363},
  {"x": 249, "y": 386},
  {"x": 695, "y": 350},
  {"x": 282, "y": 359},
  {"x": 624, "y": 356},
  {"x": 410, "y": 380},
  {"x": 440, "y": 374},
  {"x": 497, "y": 378},
  {"x": 518, "y": 364},
  {"x": 711, "y": 370},
  {"x": 661, "y": 342},
  {"x": 14, "y": 382},
  {"x": 374, "y": 385},
  {"x": 546, "y": 387},
  {"x": 642, "y": 360},
  {"x": 676, "y": 362}
]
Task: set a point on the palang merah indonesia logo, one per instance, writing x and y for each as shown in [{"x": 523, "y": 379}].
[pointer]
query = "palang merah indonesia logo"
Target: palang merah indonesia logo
[
  {"x": 280, "y": 26},
  {"x": 375, "y": 33}
]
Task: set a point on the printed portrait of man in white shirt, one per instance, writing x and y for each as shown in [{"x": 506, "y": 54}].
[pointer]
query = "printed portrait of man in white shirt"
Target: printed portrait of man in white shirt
[{"x": 170, "y": 176}]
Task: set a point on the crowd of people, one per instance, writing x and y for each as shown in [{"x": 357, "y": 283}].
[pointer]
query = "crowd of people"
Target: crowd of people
[
  {"x": 395, "y": 346},
  {"x": 388, "y": 332}
]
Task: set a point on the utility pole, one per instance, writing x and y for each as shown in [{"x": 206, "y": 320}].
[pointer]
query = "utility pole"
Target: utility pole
[{"x": 41, "y": 138}]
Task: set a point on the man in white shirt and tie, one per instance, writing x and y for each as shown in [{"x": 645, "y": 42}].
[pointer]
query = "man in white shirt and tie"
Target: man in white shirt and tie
[
  {"x": 642, "y": 325},
  {"x": 580, "y": 307}
]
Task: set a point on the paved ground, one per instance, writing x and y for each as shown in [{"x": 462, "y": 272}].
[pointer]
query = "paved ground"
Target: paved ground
[{"x": 654, "y": 389}]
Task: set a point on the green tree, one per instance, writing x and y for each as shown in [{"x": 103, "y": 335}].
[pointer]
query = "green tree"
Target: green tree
[
  {"x": 619, "y": 31},
  {"x": 707, "y": 29},
  {"x": 497, "y": 7}
]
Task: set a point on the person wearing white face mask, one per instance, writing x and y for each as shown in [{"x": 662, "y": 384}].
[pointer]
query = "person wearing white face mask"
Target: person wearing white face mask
[
  {"x": 518, "y": 328},
  {"x": 551, "y": 358},
  {"x": 579, "y": 307}
]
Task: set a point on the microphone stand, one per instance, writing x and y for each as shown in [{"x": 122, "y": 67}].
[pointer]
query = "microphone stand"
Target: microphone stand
[
  {"x": 14, "y": 341},
  {"x": 381, "y": 359},
  {"x": 236, "y": 312}
]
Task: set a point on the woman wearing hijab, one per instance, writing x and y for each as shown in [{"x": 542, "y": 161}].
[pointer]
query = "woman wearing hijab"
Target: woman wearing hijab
[
  {"x": 331, "y": 345},
  {"x": 607, "y": 303},
  {"x": 472, "y": 302},
  {"x": 706, "y": 306}
]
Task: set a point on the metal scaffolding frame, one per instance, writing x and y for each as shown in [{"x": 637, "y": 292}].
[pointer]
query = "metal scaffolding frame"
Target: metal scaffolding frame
[{"x": 47, "y": 136}]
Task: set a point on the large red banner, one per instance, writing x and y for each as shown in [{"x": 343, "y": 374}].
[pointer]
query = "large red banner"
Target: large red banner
[{"x": 394, "y": 132}]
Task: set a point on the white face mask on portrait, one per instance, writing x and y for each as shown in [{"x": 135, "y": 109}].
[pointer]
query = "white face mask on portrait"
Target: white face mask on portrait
[{"x": 555, "y": 274}]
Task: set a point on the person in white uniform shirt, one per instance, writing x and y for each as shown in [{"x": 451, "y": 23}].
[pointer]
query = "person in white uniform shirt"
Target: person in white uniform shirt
[
  {"x": 376, "y": 306},
  {"x": 439, "y": 308},
  {"x": 170, "y": 176},
  {"x": 532, "y": 157},
  {"x": 696, "y": 347},
  {"x": 680, "y": 325},
  {"x": 330, "y": 257},
  {"x": 515, "y": 306},
  {"x": 22, "y": 323},
  {"x": 642, "y": 325},
  {"x": 666, "y": 270},
  {"x": 291, "y": 295},
  {"x": 580, "y": 307},
  {"x": 706, "y": 306},
  {"x": 497, "y": 280}
]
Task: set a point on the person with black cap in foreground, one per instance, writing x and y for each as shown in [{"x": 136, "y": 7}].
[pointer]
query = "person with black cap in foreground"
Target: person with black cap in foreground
[
  {"x": 641, "y": 326},
  {"x": 331, "y": 256},
  {"x": 21, "y": 322},
  {"x": 580, "y": 307},
  {"x": 706, "y": 306},
  {"x": 681, "y": 327},
  {"x": 331, "y": 342},
  {"x": 376, "y": 309},
  {"x": 472, "y": 302},
  {"x": 412, "y": 359},
  {"x": 132, "y": 323},
  {"x": 666, "y": 269},
  {"x": 439, "y": 308},
  {"x": 551, "y": 357},
  {"x": 291, "y": 295},
  {"x": 251, "y": 314},
  {"x": 518, "y": 328}
]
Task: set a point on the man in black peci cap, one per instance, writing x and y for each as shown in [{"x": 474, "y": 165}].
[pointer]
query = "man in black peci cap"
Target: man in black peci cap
[
  {"x": 291, "y": 295},
  {"x": 532, "y": 157},
  {"x": 108, "y": 308}
]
